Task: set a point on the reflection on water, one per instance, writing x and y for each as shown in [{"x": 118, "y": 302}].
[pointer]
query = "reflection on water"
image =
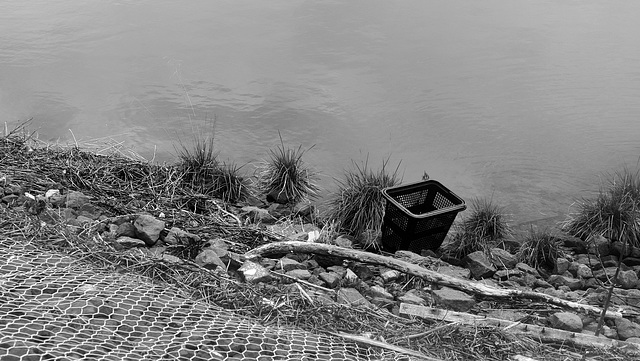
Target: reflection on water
[{"x": 525, "y": 102}]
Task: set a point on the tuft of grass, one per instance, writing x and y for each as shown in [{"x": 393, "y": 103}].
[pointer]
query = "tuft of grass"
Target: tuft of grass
[
  {"x": 198, "y": 163},
  {"x": 540, "y": 249},
  {"x": 285, "y": 177},
  {"x": 358, "y": 206},
  {"x": 614, "y": 213},
  {"x": 202, "y": 172},
  {"x": 231, "y": 185},
  {"x": 484, "y": 227}
]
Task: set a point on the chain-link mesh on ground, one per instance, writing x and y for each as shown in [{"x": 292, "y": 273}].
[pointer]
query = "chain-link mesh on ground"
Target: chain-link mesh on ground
[{"x": 56, "y": 307}]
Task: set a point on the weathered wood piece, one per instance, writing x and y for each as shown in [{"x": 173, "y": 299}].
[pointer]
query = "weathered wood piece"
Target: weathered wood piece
[
  {"x": 544, "y": 334},
  {"x": 415, "y": 270}
]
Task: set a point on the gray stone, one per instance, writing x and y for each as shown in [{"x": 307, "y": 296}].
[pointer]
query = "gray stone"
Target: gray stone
[
  {"x": 351, "y": 296},
  {"x": 390, "y": 275},
  {"x": 128, "y": 242},
  {"x": 254, "y": 273},
  {"x": 572, "y": 283},
  {"x": 628, "y": 279},
  {"x": 479, "y": 265},
  {"x": 583, "y": 271},
  {"x": 502, "y": 259},
  {"x": 209, "y": 260},
  {"x": 301, "y": 274},
  {"x": 76, "y": 200},
  {"x": 412, "y": 297},
  {"x": 339, "y": 270},
  {"x": 178, "y": 236},
  {"x": 566, "y": 321},
  {"x": 331, "y": 279},
  {"x": 599, "y": 245},
  {"x": 148, "y": 228},
  {"x": 343, "y": 241},
  {"x": 287, "y": 264},
  {"x": 633, "y": 340},
  {"x": 455, "y": 271},
  {"x": 90, "y": 211},
  {"x": 632, "y": 297},
  {"x": 84, "y": 220},
  {"x": 627, "y": 329},
  {"x": 453, "y": 299},
  {"x": 561, "y": 266},
  {"x": 126, "y": 229},
  {"x": 259, "y": 215},
  {"x": 350, "y": 276},
  {"x": 380, "y": 292},
  {"x": 505, "y": 274},
  {"x": 363, "y": 271}
]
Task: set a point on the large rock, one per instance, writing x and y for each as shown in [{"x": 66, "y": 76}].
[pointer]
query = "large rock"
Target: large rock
[
  {"x": 413, "y": 298},
  {"x": 527, "y": 269},
  {"x": 128, "y": 242},
  {"x": 566, "y": 321},
  {"x": 502, "y": 259},
  {"x": 599, "y": 245},
  {"x": 287, "y": 264},
  {"x": 479, "y": 265},
  {"x": 254, "y": 272},
  {"x": 572, "y": 283},
  {"x": 331, "y": 279},
  {"x": 351, "y": 296},
  {"x": 627, "y": 329},
  {"x": 178, "y": 236},
  {"x": 301, "y": 274},
  {"x": 453, "y": 299},
  {"x": 259, "y": 215},
  {"x": 148, "y": 228},
  {"x": 380, "y": 292},
  {"x": 209, "y": 260},
  {"x": 561, "y": 266},
  {"x": 626, "y": 279},
  {"x": 76, "y": 200},
  {"x": 455, "y": 271}
]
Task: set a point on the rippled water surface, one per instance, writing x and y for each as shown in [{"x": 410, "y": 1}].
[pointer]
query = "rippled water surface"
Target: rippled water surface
[{"x": 528, "y": 102}]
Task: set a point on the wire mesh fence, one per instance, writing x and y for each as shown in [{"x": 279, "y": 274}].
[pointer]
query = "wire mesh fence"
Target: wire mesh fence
[{"x": 57, "y": 307}]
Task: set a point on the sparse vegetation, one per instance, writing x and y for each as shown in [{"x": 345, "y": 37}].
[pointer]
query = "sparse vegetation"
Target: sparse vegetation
[
  {"x": 358, "y": 205},
  {"x": 540, "y": 249},
  {"x": 202, "y": 172},
  {"x": 285, "y": 178},
  {"x": 484, "y": 227},
  {"x": 613, "y": 213}
]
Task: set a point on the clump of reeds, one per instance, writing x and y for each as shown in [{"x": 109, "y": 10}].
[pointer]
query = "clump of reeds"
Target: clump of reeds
[
  {"x": 285, "y": 178},
  {"x": 484, "y": 227},
  {"x": 358, "y": 205},
  {"x": 203, "y": 172},
  {"x": 614, "y": 213},
  {"x": 540, "y": 249}
]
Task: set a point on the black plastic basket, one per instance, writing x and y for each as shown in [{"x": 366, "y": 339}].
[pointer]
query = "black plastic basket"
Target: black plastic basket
[{"x": 418, "y": 216}]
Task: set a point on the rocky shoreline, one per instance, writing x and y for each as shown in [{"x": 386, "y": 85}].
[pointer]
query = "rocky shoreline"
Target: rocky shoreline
[
  {"x": 115, "y": 222},
  {"x": 577, "y": 277}
]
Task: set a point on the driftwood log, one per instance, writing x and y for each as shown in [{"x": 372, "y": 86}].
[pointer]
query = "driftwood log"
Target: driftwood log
[
  {"x": 415, "y": 270},
  {"x": 544, "y": 334}
]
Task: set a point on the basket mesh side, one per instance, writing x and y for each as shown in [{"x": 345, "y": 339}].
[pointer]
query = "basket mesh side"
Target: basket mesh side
[{"x": 53, "y": 307}]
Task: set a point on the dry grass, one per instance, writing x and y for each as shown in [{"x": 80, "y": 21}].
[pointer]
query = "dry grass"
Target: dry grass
[
  {"x": 124, "y": 186},
  {"x": 285, "y": 176},
  {"x": 484, "y": 227},
  {"x": 357, "y": 207}
]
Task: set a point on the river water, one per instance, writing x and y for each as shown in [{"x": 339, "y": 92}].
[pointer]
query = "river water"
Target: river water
[{"x": 527, "y": 102}]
